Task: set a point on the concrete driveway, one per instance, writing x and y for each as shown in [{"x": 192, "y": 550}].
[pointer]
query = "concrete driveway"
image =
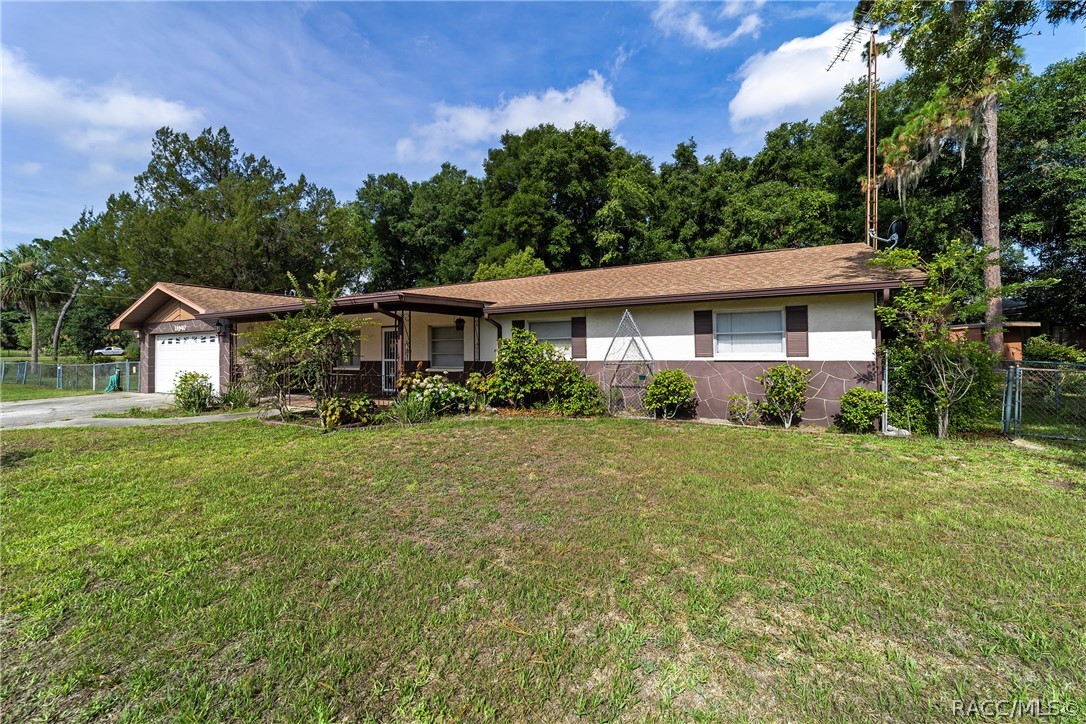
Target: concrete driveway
[{"x": 74, "y": 410}]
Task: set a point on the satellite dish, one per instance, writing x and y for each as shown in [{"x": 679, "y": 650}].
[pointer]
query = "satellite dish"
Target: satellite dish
[{"x": 897, "y": 232}]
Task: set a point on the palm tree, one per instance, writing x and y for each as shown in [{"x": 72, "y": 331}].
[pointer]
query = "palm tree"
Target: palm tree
[{"x": 28, "y": 282}]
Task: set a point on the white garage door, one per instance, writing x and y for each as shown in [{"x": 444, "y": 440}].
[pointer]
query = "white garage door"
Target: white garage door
[{"x": 188, "y": 352}]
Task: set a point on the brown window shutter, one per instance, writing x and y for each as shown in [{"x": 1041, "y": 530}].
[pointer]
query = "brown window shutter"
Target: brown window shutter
[
  {"x": 579, "y": 332},
  {"x": 795, "y": 327},
  {"x": 518, "y": 324},
  {"x": 703, "y": 334}
]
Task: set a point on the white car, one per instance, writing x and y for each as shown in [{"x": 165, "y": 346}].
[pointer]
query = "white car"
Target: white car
[{"x": 111, "y": 351}]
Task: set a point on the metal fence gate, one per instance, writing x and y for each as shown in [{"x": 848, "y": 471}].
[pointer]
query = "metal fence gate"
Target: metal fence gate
[
  {"x": 93, "y": 376},
  {"x": 1045, "y": 399}
]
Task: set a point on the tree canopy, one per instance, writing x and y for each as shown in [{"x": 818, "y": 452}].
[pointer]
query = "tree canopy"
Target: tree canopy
[{"x": 552, "y": 199}]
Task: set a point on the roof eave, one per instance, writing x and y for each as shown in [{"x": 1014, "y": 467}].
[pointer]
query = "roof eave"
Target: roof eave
[
  {"x": 360, "y": 303},
  {"x": 866, "y": 286}
]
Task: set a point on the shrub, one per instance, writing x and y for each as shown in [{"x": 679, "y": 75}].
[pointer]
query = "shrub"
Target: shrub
[
  {"x": 524, "y": 369},
  {"x": 743, "y": 410},
  {"x": 409, "y": 410},
  {"x": 530, "y": 373},
  {"x": 913, "y": 402},
  {"x": 860, "y": 407},
  {"x": 302, "y": 350},
  {"x": 1041, "y": 348},
  {"x": 239, "y": 394},
  {"x": 337, "y": 411},
  {"x": 785, "y": 392},
  {"x": 671, "y": 393},
  {"x": 576, "y": 394},
  {"x": 445, "y": 397},
  {"x": 479, "y": 382},
  {"x": 193, "y": 393}
]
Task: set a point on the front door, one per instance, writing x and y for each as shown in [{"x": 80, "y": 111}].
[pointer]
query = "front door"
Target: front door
[{"x": 388, "y": 359}]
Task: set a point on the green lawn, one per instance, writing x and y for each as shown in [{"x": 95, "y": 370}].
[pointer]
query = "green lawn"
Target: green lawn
[
  {"x": 535, "y": 569},
  {"x": 15, "y": 393}
]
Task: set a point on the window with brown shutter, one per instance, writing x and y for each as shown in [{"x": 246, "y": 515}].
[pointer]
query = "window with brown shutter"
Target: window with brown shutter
[
  {"x": 795, "y": 326},
  {"x": 579, "y": 343},
  {"x": 703, "y": 333}
]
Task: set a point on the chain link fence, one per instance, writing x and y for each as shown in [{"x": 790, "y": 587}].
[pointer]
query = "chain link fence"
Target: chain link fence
[
  {"x": 1045, "y": 399},
  {"x": 74, "y": 377}
]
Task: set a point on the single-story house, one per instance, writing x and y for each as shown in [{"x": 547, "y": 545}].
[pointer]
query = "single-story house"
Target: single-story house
[{"x": 723, "y": 319}]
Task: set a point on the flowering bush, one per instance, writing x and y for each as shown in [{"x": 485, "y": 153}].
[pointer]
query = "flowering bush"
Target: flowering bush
[{"x": 443, "y": 397}]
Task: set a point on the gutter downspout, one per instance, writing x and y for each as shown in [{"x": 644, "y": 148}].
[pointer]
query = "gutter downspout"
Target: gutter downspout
[{"x": 496, "y": 324}]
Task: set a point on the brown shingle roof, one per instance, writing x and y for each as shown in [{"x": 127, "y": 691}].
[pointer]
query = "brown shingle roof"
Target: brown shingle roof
[
  {"x": 837, "y": 267},
  {"x": 202, "y": 300},
  {"x": 214, "y": 299},
  {"x": 781, "y": 272}
]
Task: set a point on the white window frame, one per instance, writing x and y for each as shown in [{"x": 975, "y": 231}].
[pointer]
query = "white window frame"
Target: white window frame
[
  {"x": 747, "y": 356},
  {"x": 430, "y": 348},
  {"x": 566, "y": 349}
]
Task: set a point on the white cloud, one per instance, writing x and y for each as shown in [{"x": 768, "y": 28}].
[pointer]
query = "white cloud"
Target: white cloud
[
  {"x": 460, "y": 127},
  {"x": 98, "y": 121},
  {"x": 791, "y": 82},
  {"x": 28, "y": 168},
  {"x": 831, "y": 11},
  {"x": 685, "y": 20},
  {"x": 621, "y": 56}
]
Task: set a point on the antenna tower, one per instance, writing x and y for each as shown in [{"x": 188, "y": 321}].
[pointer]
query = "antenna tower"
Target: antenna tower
[{"x": 871, "y": 183}]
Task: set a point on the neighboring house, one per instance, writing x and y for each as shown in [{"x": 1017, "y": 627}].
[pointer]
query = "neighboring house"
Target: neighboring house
[{"x": 723, "y": 319}]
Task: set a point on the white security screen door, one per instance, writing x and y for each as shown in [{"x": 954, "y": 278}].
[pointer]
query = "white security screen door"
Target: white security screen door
[{"x": 388, "y": 359}]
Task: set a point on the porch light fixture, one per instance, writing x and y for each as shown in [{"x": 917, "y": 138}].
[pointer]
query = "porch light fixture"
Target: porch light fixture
[
  {"x": 220, "y": 327},
  {"x": 460, "y": 324}
]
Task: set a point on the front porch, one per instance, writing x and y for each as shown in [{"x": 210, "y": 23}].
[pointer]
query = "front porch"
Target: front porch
[{"x": 401, "y": 333}]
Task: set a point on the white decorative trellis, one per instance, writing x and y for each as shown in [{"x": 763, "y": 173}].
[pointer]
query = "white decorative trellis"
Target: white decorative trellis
[{"x": 627, "y": 369}]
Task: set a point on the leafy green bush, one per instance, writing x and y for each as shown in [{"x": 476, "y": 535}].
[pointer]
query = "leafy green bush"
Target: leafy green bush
[
  {"x": 575, "y": 393},
  {"x": 479, "y": 382},
  {"x": 445, "y": 397},
  {"x": 337, "y": 411},
  {"x": 785, "y": 392},
  {"x": 860, "y": 407},
  {"x": 1041, "y": 348},
  {"x": 193, "y": 393},
  {"x": 530, "y": 373},
  {"x": 524, "y": 369},
  {"x": 671, "y": 393},
  {"x": 743, "y": 410},
  {"x": 914, "y": 406}
]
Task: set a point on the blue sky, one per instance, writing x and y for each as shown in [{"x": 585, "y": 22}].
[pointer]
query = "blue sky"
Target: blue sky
[{"x": 341, "y": 90}]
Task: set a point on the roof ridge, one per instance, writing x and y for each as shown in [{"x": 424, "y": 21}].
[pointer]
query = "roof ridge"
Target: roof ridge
[
  {"x": 228, "y": 289},
  {"x": 551, "y": 275}
]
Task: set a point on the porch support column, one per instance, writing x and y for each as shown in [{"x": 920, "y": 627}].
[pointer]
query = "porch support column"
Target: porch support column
[{"x": 147, "y": 361}]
